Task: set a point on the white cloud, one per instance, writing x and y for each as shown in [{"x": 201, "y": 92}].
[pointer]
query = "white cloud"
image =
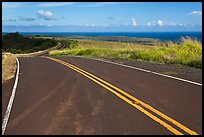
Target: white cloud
[
  {"x": 55, "y": 4},
  {"x": 160, "y": 23},
  {"x": 11, "y": 5},
  {"x": 149, "y": 24},
  {"x": 195, "y": 13},
  {"x": 134, "y": 23},
  {"x": 164, "y": 23},
  {"x": 172, "y": 24},
  {"x": 50, "y": 25},
  {"x": 94, "y": 25},
  {"x": 182, "y": 24},
  {"x": 46, "y": 15},
  {"x": 89, "y": 25}
]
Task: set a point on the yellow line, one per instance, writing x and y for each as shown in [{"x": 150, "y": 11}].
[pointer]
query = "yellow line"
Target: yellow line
[
  {"x": 173, "y": 130},
  {"x": 143, "y": 104}
]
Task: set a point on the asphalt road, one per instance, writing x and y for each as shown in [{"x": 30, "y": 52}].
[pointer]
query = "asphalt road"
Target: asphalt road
[{"x": 52, "y": 98}]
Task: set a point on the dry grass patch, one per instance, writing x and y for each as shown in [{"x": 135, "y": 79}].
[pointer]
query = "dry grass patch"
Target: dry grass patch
[
  {"x": 109, "y": 45},
  {"x": 8, "y": 66}
]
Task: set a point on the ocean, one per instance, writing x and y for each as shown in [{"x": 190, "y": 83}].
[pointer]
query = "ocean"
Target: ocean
[{"x": 173, "y": 36}]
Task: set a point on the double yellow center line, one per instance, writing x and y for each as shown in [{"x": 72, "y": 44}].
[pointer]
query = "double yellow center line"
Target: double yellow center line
[{"x": 138, "y": 104}]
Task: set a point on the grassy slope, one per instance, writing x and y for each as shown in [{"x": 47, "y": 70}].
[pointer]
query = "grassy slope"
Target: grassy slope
[
  {"x": 189, "y": 52},
  {"x": 16, "y": 43}
]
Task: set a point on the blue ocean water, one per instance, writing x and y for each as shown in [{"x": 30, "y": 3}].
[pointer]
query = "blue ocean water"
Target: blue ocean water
[{"x": 173, "y": 36}]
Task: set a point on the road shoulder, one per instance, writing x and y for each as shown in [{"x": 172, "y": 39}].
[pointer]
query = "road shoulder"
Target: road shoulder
[{"x": 183, "y": 72}]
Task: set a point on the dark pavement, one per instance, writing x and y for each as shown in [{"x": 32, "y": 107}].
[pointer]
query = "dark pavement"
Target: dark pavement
[{"x": 54, "y": 99}]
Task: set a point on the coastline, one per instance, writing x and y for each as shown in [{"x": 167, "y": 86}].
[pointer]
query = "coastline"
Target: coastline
[{"x": 173, "y": 36}]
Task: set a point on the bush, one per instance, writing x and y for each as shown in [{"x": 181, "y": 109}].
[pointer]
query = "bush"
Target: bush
[{"x": 72, "y": 43}]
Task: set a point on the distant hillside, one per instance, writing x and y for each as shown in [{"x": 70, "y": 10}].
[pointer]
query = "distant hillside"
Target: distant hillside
[{"x": 16, "y": 43}]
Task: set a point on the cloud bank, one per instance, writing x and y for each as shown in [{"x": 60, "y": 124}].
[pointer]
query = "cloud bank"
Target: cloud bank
[{"x": 195, "y": 13}]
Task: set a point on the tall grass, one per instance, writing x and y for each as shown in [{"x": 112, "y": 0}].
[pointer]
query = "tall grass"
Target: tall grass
[{"x": 188, "y": 52}]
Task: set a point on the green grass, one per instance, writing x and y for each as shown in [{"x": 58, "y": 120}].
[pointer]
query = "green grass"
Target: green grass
[{"x": 188, "y": 53}]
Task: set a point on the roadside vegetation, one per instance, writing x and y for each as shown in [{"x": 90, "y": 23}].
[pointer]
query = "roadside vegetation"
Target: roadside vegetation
[
  {"x": 188, "y": 52},
  {"x": 16, "y": 43},
  {"x": 8, "y": 66}
]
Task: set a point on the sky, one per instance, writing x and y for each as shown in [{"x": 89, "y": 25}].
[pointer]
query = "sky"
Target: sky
[{"x": 101, "y": 16}]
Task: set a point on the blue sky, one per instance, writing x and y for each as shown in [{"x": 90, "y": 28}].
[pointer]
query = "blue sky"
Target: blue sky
[{"x": 101, "y": 16}]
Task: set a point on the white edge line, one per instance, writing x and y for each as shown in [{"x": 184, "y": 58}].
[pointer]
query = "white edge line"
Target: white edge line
[
  {"x": 8, "y": 110},
  {"x": 148, "y": 71},
  {"x": 199, "y": 84}
]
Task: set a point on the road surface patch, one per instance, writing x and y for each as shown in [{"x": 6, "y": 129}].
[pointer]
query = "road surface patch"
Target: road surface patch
[
  {"x": 144, "y": 70},
  {"x": 131, "y": 100}
]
